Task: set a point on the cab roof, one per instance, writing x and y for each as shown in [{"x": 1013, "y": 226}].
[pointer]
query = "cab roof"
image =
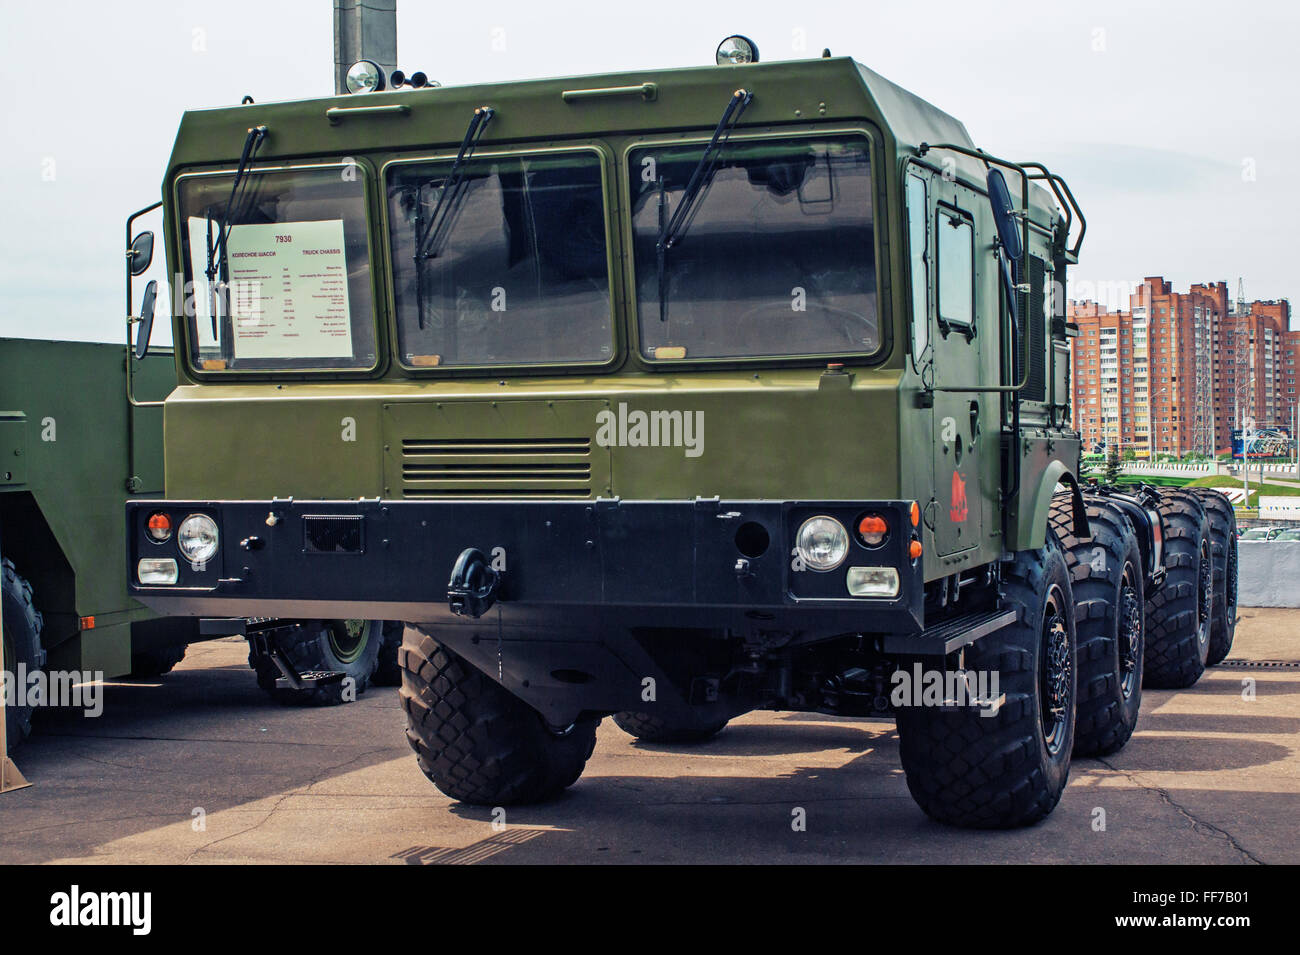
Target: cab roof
[
  {"x": 786, "y": 93},
  {"x": 692, "y": 97}
]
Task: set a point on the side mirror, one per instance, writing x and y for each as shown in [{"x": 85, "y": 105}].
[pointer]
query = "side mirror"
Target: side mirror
[
  {"x": 1004, "y": 214},
  {"x": 141, "y": 253},
  {"x": 146, "y": 317}
]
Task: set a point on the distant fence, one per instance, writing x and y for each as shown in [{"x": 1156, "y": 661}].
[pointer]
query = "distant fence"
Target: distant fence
[
  {"x": 1197, "y": 469},
  {"x": 1172, "y": 469},
  {"x": 1268, "y": 573}
]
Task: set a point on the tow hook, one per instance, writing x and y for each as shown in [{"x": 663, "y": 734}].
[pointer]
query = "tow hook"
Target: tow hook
[{"x": 473, "y": 587}]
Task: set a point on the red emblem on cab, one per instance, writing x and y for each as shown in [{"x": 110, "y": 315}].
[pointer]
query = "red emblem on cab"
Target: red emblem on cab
[{"x": 959, "y": 510}]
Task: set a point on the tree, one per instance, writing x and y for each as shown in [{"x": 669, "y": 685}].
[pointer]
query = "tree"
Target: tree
[{"x": 1113, "y": 466}]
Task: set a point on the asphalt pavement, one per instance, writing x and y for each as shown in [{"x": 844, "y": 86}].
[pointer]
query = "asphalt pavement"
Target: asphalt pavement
[{"x": 200, "y": 767}]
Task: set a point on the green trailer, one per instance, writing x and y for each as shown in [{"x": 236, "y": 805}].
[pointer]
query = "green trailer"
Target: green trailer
[{"x": 71, "y": 450}]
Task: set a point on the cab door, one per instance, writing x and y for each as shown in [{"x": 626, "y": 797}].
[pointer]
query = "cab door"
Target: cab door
[{"x": 958, "y": 508}]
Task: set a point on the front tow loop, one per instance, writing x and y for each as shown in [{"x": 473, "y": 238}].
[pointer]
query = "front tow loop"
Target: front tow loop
[{"x": 474, "y": 584}]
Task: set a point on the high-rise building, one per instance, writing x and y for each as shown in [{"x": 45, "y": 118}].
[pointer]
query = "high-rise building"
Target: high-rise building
[{"x": 1178, "y": 371}]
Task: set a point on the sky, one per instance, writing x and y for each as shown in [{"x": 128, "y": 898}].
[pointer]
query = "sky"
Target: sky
[{"x": 1174, "y": 123}]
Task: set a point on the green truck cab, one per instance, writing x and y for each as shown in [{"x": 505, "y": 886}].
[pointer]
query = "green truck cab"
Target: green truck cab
[{"x": 667, "y": 394}]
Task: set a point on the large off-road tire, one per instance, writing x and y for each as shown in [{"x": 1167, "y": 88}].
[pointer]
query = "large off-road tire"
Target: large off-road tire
[
  {"x": 1106, "y": 578},
  {"x": 476, "y": 741},
  {"x": 388, "y": 672},
  {"x": 350, "y": 647},
  {"x": 1223, "y": 539},
  {"x": 22, "y": 648},
  {"x": 1009, "y": 769},
  {"x": 156, "y": 661},
  {"x": 1180, "y": 612},
  {"x": 655, "y": 729}
]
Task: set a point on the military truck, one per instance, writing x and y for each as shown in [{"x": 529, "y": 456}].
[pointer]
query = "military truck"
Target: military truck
[
  {"x": 667, "y": 395},
  {"x": 71, "y": 450}
]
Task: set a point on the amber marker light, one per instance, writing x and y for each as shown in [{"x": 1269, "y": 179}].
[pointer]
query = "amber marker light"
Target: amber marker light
[
  {"x": 872, "y": 529},
  {"x": 915, "y": 513},
  {"x": 914, "y": 549},
  {"x": 160, "y": 526}
]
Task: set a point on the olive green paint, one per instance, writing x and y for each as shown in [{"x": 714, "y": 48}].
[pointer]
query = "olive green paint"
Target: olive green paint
[
  {"x": 63, "y": 480},
  {"x": 772, "y": 429}
]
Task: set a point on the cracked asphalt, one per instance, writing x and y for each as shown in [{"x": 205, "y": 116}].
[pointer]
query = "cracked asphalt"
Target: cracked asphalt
[{"x": 201, "y": 768}]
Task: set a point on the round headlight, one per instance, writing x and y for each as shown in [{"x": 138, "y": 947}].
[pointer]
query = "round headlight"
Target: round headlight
[
  {"x": 735, "y": 50},
  {"x": 197, "y": 538},
  {"x": 822, "y": 543},
  {"x": 364, "y": 76}
]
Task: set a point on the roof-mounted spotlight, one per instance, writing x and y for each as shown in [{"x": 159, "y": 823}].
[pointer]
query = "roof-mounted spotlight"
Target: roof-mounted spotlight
[
  {"x": 735, "y": 50},
  {"x": 364, "y": 76}
]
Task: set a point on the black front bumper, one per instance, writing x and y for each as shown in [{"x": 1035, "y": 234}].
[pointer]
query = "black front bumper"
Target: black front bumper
[{"x": 576, "y": 564}]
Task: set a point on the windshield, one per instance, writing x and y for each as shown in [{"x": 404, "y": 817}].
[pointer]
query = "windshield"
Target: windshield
[
  {"x": 293, "y": 284},
  {"x": 1255, "y": 534},
  {"x": 778, "y": 258},
  {"x": 518, "y": 271}
]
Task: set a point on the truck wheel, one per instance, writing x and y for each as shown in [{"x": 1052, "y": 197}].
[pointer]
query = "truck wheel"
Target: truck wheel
[
  {"x": 1223, "y": 538},
  {"x": 654, "y": 729},
  {"x": 1106, "y": 578},
  {"x": 969, "y": 769},
  {"x": 475, "y": 741},
  {"x": 1179, "y": 614},
  {"x": 387, "y": 671},
  {"x": 156, "y": 662},
  {"x": 350, "y": 647},
  {"x": 22, "y": 647}
]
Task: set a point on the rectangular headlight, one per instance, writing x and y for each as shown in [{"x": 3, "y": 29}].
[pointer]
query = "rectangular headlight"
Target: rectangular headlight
[
  {"x": 157, "y": 570},
  {"x": 873, "y": 581}
]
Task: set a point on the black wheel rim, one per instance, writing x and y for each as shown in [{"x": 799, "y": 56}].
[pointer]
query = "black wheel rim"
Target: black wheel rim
[
  {"x": 1205, "y": 601},
  {"x": 1130, "y": 631},
  {"x": 1055, "y": 673}
]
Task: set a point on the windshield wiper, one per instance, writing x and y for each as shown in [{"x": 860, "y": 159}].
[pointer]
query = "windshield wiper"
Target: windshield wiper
[
  {"x": 429, "y": 244},
  {"x": 211, "y": 272},
  {"x": 216, "y": 263},
  {"x": 675, "y": 229},
  {"x": 430, "y": 237}
]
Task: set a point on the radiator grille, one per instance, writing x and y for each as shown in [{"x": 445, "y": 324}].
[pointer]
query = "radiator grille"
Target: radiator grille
[{"x": 437, "y": 468}]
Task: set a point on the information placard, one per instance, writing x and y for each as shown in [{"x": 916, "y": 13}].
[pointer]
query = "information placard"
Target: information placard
[{"x": 288, "y": 290}]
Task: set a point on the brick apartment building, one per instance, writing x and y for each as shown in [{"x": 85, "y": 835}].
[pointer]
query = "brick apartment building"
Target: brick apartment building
[{"x": 1179, "y": 370}]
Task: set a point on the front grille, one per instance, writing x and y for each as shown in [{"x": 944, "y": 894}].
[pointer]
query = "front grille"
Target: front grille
[{"x": 437, "y": 468}]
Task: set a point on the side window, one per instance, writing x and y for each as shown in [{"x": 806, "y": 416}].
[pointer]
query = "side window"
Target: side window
[
  {"x": 956, "y": 241},
  {"x": 920, "y": 253},
  {"x": 1036, "y": 316}
]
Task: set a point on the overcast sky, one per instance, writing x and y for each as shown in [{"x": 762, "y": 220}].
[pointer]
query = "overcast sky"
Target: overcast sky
[{"x": 1175, "y": 123}]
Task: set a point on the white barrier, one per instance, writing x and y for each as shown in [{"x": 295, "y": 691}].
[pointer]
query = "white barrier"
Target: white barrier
[
  {"x": 1171, "y": 470},
  {"x": 1279, "y": 508},
  {"x": 1268, "y": 573}
]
